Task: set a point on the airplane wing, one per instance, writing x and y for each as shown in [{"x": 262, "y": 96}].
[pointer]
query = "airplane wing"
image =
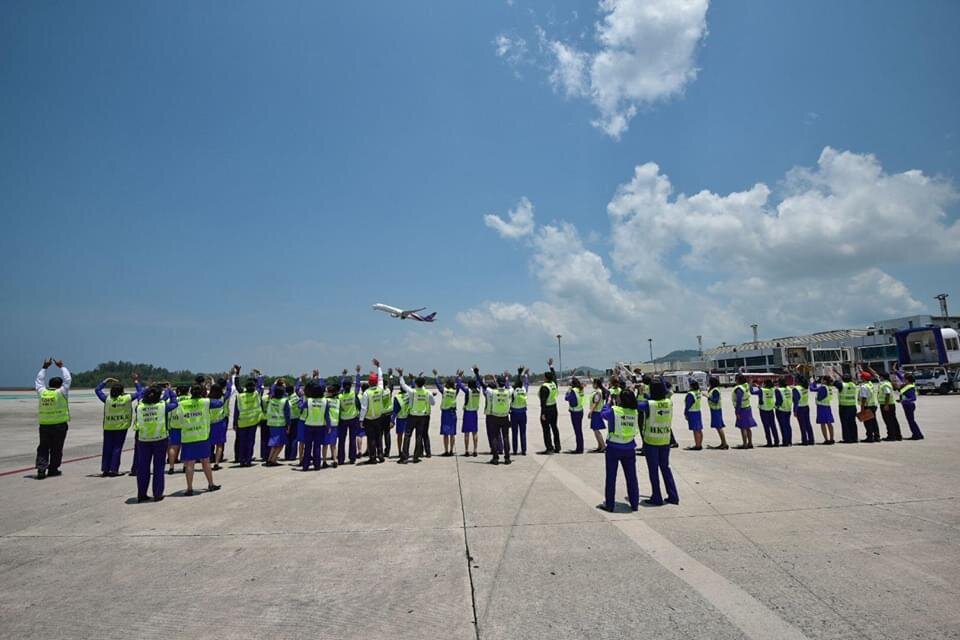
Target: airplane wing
[{"x": 409, "y": 311}]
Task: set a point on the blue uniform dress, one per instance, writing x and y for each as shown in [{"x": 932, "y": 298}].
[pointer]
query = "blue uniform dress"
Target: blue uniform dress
[
  {"x": 596, "y": 418},
  {"x": 783, "y": 417},
  {"x": 470, "y": 419},
  {"x": 192, "y": 451},
  {"x": 744, "y": 415},
  {"x": 576, "y": 418},
  {"x": 278, "y": 435},
  {"x": 330, "y": 432},
  {"x": 448, "y": 417},
  {"x": 218, "y": 429},
  {"x": 716, "y": 415},
  {"x": 113, "y": 439},
  {"x": 694, "y": 418},
  {"x": 824, "y": 411}
]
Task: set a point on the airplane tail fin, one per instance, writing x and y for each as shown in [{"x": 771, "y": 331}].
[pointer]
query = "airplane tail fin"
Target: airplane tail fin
[{"x": 429, "y": 317}]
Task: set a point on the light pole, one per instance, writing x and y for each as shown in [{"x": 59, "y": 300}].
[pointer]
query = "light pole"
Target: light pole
[
  {"x": 560, "y": 356},
  {"x": 700, "y": 346},
  {"x": 650, "y": 344}
]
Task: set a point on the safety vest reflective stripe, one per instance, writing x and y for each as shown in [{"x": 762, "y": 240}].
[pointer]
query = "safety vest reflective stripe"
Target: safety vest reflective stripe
[
  {"x": 579, "y": 395},
  {"x": 218, "y": 414},
  {"x": 294, "y": 403},
  {"x": 117, "y": 413},
  {"x": 551, "y": 393},
  {"x": 275, "y": 416},
  {"x": 501, "y": 403},
  {"x": 248, "y": 409},
  {"x": 421, "y": 402},
  {"x": 333, "y": 411},
  {"x": 403, "y": 401},
  {"x": 374, "y": 403},
  {"x": 624, "y": 425},
  {"x": 887, "y": 395},
  {"x": 348, "y": 405},
  {"x": 196, "y": 420},
  {"x": 656, "y": 429},
  {"x": 905, "y": 389},
  {"x": 695, "y": 407},
  {"x": 314, "y": 415},
  {"x": 54, "y": 408},
  {"x": 386, "y": 401},
  {"x": 519, "y": 398},
  {"x": 151, "y": 421},
  {"x": 449, "y": 400},
  {"x": 744, "y": 396},
  {"x": 848, "y": 395},
  {"x": 804, "y": 395},
  {"x": 768, "y": 399}
]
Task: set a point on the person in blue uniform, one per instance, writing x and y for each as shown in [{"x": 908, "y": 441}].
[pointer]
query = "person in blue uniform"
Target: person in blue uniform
[
  {"x": 313, "y": 410},
  {"x": 220, "y": 390},
  {"x": 716, "y": 412},
  {"x": 518, "y": 411},
  {"x": 597, "y": 402},
  {"x": 117, "y": 418},
  {"x": 743, "y": 411},
  {"x": 783, "y": 403},
  {"x": 801, "y": 409},
  {"x": 656, "y": 443},
  {"x": 175, "y": 425},
  {"x": 449, "y": 389},
  {"x": 195, "y": 436},
  {"x": 887, "y": 396},
  {"x": 575, "y": 402},
  {"x": 691, "y": 411},
  {"x": 622, "y": 430},
  {"x": 471, "y": 409},
  {"x": 822, "y": 390},
  {"x": 908, "y": 400},
  {"x": 349, "y": 427},
  {"x": 151, "y": 426},
  {"x": 278, "y": 421},
  {"x": 548, "y": 411},
  {"x": 768, "y": 405}
]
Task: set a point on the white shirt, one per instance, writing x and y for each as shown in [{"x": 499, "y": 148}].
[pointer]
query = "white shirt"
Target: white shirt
[
  {"x": 409, "y": 391},
  {"x": 41, "y": 382},
  {"x": 364, "y": 397}
]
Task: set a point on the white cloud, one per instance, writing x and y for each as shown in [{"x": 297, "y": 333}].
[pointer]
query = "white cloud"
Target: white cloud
[
  {"x": 519, "y": 221},
  {"x": 646, "y": 53},
  {"x": 812, "y": 258},
  {"x": 512, "y": 49}
]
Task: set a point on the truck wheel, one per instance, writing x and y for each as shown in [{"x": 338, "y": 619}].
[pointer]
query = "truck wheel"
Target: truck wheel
[{"x": 944, "y": 389}]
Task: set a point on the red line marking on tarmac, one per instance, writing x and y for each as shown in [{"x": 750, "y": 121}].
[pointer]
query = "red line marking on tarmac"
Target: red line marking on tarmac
[{"x": 10, "y": 473}]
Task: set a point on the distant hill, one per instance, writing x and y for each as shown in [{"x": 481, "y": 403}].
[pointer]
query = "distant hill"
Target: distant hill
[
  {"x": 584, "y": 370},
  {"x": 679, "y": 354}
]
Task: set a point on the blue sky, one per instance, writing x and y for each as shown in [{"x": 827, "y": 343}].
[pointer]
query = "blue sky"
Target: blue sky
[{"x": 194, "y": 184}]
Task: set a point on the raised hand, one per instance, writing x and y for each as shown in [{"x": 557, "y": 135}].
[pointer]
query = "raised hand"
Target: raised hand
[
  {"x": 399, "y": 372},
  {"x": 434, "y": 372},
  {"x": 316, "y": 373},
  {"x": 376, "y": 362},
  {"x": 59, "y": 363},
  {"x": 47, "y": 363},
  {"x": 390, "y": 371},
  {"x": 136, "y": 377},
  {"x": 358, "y": 369},
  {"x": 475, "y": 368},
  {"x": 549, "y": 362},
  {"x": 344, "y": 372}
]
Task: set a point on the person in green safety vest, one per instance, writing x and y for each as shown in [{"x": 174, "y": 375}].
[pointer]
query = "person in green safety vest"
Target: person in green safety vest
[
  {"x": 332, "y": 408},
  {"x": 621, "y": 413},
  {"x": 117, "y": 418},
  {"x": 386, "y": 415},
  {"x": 195, "y": 435},
  {"x": 349, "y": 427},
  {"x": 656, "y": 443},
  {"x": 716, "y": 411},
  {"x": 278, "y": 421},
  {"x": 822, "y": 390},
  {"x": 768, "y": 404},
  {"x": 548, "y": 411},
  {"x": 246, "y": 420},
  {"x": 518, "y": 412},
  {"x": 887, "y": 397},
  {"x": 847, "y": 406},
  {"x": 175, "y": 423},
  {"x": 597, "y": 402},
  {"x": 150, "y": 423},
  {"x": 575, "y": 402},
  {"x": 449, "y": 389},
  {"x": 499, "y": 398},
  {"x": 371, "y": 407},
  {"x": 471, "y": 420},
  {"x": 743, "y": 411},
  {"x": 869, "y": 406},
  {"x": 53, "y": 418},
  {"x": 783, "y": 402},
  {"x": 420, "y": 400},
  {"x": 222, "y": 389}
]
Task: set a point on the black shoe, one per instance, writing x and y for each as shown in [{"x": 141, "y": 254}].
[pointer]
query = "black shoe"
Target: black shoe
[
  {"x": 653, "y": 503},
  {"x": 673, "y": 500},
  {"x": 700, "y": 448},
  {"x": 402, "y": 461},
  {"x": 915, "y": 438},
  {"x": 216, "y": 467},
  {"x": 333, "y": 465},
  {"x": 416, "y": 461},
  {"x": 142, "y": 499},
  {"x": 133, "y": 472},
  {"x": 382, "y": 459},
  {"x": 867, "y": 440},
  {"x": 104, "y": 474},
  {"x": 769, "y": 446},
  {"x": 169, "y": 472},
  {"x": 426, "y": 455},
  {"x": 545, "y": 452},
  {"x": 54, "y": 472},
  {"x": 604, "y": 507},
  {"x": 723, "y": 447},
  {"x": 786, "y": 444},
  {"x": 493, "y": 461},
  {"x": 213, "y": 487},
  {"x": 188, "y": 492},
  {"x": 41, "y": 474},
  {"x": 507, "y": 461},
  {"x": 674, "y": 445},
  {"x": 157, "y": 498},
  {"x": 475, "y": 453}
]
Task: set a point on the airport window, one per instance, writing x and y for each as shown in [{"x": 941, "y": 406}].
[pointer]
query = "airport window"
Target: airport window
[{"x": 953, "y": 344}]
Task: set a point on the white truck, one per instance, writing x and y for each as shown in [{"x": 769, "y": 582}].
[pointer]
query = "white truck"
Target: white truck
[{"x": 936, "y": 380}]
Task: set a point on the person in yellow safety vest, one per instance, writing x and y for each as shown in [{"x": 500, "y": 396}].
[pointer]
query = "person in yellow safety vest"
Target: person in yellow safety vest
[
  {"x": 691, "y": 411},
  {"x": 386, "y": 415},
  {"x": 117, "y": 418},
  {"x": 801, "y": 409},
  {"x": 498, "y": 422},
  {"x": 349, "y": 427},
  {"x": 908, "y": 400},
  {"x": 150, "y": 423},
  {"x": 449, "y": 389},
  {"x": 847, "y": 406},
  {"x": 175, "y": 424},
  {"x": 768, "y": 404},
  {"x": 292, "y": 449},
  {"x": 314, "y": 409},
  {"x": 222, "y": 389},
  {"x": 716, "y": 411},
  {"x": 278, "y": 421},
  {"x": 518, "y": 411},
  {"x": 264, "y": 427},
  {"x": 575, "y": 402},
  {"x": 822, "y": 390},
  {"x": 869, "y": 401},
  {"x": 622, "y": 430},
  {"x": 420, "y": 401},
  {"x": 332, "y": 409},
  {"x": 246, "y": 420},
  {"x": 471, "y": 420},
  {"x": 548, "y": 411},
  {"x": 597, "y": 401},
  {"x": 195, "y": 436},
  {"x": 371, "y": 408},
  {"x": 53, "y": 418},
  {"x": 783, "y": 402},
  {"x": 888, "y": 408},
  {"x": 656, "y": 443},
  {"x": 743, "y": 411}
]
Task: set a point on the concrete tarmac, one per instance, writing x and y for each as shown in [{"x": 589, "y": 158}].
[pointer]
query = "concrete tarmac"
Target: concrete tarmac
[{"x": 848, "y": 541}]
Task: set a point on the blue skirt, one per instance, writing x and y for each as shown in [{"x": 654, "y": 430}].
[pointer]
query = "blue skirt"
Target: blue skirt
[
  {"x": 824, "y": 414},
  {"x": 192, "y": 451},
  {"x": 745, "y": 419},
  {"x": 448, "y": 422},
  {"x": 218, "y": 432},
  {"x": 175, "y": 436},
  {"x": 596, "y": 421},
  {"x": 695, "y": 421},
  {"x": 469, "y": 421},
  {"x": 401, "y": 425},
  {"x": 329, "y": 435},
  {"x": 278, "y": 437},
  {"x": 716, "y": 419}
]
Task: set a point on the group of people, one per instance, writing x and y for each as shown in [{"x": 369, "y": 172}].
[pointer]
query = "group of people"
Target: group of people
[{"x": 325, "y": 422}]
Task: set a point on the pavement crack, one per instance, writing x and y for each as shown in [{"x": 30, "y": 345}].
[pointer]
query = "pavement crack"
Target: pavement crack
[{"x": 469, "y": 556}]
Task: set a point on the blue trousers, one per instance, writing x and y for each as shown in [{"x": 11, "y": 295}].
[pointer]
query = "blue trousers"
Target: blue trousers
[
  {"x": 112, "y": 450},
  {"x": 518, "y": 425},
  {"x": 658, "y": 462},
  {"x": 786, "y": 431},
  {"x": 909, "y": 409},
  {"x": 245, "y": 442},
  {"x": 576, "y": 417},
  {"x": 769, "y": 427},
  {"x": 624, "y": 455},
  {"x": 290, "y": 450},
  {"x": 348, "y": 426},
  {"x": 806, "y": 427},
  {"x": 151, "y": 458},
  {"x": 312, "y": 443},
  {"x": 264, "y": 440}
]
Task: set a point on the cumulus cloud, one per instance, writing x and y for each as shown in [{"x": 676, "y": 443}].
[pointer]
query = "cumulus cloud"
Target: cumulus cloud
[
  {"x": 645, "y": 52},
  {"x": 511, "y": 49},
  {"x": 813, "y": 257},
  {"x": 519, "y": 222}
]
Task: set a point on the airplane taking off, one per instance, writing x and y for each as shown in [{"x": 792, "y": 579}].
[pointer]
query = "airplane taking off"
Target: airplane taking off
[{"x": 413, "y": 314}]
